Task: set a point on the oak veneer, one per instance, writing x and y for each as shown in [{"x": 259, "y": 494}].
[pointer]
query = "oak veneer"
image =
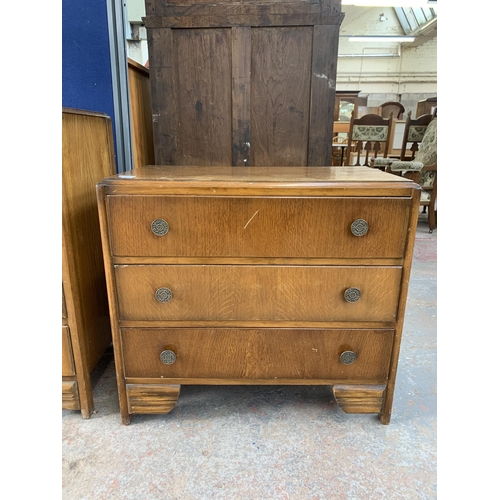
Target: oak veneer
[
  {"x": 280, "y": 306},
  {"x": 87, "y": 157}
]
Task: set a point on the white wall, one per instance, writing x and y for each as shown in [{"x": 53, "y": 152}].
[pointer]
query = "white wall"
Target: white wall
[{"x": 408, "y": 76}]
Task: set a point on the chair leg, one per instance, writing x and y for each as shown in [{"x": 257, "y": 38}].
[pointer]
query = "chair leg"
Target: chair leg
[{"x": 432, "y": 219}]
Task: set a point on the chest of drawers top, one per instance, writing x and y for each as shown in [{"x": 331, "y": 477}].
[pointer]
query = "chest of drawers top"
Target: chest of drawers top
[{"x": 296, "y": 181}]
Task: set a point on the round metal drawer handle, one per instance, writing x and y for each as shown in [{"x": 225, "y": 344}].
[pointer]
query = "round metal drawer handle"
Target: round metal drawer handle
[
  {"x": 352, "y": 294},
  {"x": 159, "y": 227},
  {"x": 163, "y": 295},
  {"x": 359, "y": 227},
  {"x": 168, "y": 357},
  {"x": 347, "y": 357}
]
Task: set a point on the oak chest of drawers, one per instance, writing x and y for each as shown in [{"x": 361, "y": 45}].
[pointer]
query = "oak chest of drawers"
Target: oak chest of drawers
[{"x": 257, "y": 275}]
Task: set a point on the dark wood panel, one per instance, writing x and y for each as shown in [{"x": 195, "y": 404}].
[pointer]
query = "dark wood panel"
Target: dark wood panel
[
  {"x": 202, "y": 60},
  {"x": 323, "y": 78},
  {"x": 280, "y": 95},
  {"x": 163, "y": 97},
  {"x": 220, "y": 68},
  {"x": 241, "y": 58}
]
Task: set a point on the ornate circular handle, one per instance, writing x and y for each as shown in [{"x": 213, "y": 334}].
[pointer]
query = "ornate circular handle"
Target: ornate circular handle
[
  {"x": 347, "y": 357},
  {"x": 163, "y": 295},
  {"x": 359, "y": 227},
  {"x": 168, "y": 357},
  {"x": 159, "y": 227},
  {"x": 352, "y": 294}
]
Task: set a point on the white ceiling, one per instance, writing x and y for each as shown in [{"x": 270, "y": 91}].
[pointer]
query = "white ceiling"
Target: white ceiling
[{"x": 416, "y": 21}]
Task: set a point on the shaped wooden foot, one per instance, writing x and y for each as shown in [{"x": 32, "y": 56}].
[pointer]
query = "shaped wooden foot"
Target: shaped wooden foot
[
  {"x": 152, "y": 398},
  {"x": 360, "y": 398}
]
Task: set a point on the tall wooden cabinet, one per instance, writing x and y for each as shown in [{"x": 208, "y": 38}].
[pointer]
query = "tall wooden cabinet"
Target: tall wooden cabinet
[
  {"x": 243, "y": 83},
  {"x": 87, "y": 157}
]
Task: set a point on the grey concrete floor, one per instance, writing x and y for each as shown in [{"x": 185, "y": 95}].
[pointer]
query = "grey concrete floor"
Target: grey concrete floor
[{"x": 269, "y": 442}]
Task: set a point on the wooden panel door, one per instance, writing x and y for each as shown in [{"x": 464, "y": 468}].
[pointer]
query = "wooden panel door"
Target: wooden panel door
[{"x": 243, "y": 83}]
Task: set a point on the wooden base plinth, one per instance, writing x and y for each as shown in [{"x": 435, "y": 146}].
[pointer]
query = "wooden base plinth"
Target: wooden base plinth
[{"x": 360, "y": 398}]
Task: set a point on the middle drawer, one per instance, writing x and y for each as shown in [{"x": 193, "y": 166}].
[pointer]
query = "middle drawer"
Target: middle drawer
[{"x": 257, "y": 293}]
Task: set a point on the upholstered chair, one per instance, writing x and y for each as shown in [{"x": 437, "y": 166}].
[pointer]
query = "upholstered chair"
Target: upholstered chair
[{"x": 422, "y": 169}]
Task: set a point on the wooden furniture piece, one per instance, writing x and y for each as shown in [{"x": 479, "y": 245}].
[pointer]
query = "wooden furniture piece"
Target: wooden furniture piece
[
  {"x": 243, "y": 83},
  {"x": 422, "y": 169},
  {"x": 262, "y": 275},
  {"x": 141, "y": 120},
  {"x": 339, "y": 144},
  {"x": 413, "y": 134},
  {"x": 427, "y": 107},
  {"x": 370, "y": 134},
  {"x": 87, "y": 157},
  {"x": 346, "y": 105},
  {"x": 394, "y": 107}
]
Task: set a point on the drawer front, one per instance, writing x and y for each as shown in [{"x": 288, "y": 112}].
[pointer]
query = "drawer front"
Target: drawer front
[
  {"x": 257, "y": 293},
  {"x": 68, "y": 366},
  {"x": 257, "y": 353},
  {"x": 257, "y": 227}
]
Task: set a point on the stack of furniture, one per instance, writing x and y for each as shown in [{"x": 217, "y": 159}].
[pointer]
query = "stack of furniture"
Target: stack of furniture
[{"x": 242, "y": 256}]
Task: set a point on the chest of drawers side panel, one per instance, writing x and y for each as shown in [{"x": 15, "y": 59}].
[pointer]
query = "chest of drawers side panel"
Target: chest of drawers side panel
[
  {"x": 385, "y": 414},
  {"x": 112, "y": 300}
]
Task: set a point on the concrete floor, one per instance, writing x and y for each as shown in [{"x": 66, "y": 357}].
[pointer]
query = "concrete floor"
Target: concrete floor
[{"x": 268, "y": 442}]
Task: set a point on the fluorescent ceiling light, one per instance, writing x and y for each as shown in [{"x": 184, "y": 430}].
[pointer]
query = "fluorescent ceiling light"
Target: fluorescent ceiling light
[{"x": 384, "y": 39}]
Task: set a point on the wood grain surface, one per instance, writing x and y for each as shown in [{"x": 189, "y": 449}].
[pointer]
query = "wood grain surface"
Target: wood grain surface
[
  {"x": 280, "y": 95},
  {"x": 258, "y": 227},
  {"x": 87, "y": 158},
  {"x": 258, "y": 293},
  {"x": 257, "y": 353}
]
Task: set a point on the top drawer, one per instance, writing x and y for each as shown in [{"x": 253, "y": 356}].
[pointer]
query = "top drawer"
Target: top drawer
[{"x": 257, "y": 227}]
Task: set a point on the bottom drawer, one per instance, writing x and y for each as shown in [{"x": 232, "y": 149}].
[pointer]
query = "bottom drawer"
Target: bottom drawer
[{"x": 260, "y": 354}]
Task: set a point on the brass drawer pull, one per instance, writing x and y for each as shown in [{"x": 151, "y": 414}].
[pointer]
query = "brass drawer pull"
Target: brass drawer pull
[
  {"x": 163, "y": 295},
  {"x": 160, "y": 227},
  {"x": 347, "y": 357},
  {"x": 168, "y": 357},
  {"x": 359, "y": 227},
  {"x": 352, "y": 294}
]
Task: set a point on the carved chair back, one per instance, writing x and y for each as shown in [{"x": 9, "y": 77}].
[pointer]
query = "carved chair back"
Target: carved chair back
[
  {"x": 396, "y": 107},
  {"x": 369, "y": 136},
  {"x": 413, "y": 134}
]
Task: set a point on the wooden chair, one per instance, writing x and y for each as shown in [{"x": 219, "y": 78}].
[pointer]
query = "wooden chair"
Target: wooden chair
[
  {"x": 422, "y": 169},
  {"x": 395, "y": 107},
  {"x": 371, "y": 134},
  {"x": 413, "y": 134}
]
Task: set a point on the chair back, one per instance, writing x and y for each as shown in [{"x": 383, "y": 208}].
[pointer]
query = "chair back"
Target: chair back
[
  {"x": 369, "y": 135},
  {"x": 427, "y": 154},
  {"x": 395, "y": 107},
  {"x": 413, "y": 135}
]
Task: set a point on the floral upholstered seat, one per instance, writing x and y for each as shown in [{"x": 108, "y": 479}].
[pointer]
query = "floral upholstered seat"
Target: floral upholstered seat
[{"x": 424, "y": 165}]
